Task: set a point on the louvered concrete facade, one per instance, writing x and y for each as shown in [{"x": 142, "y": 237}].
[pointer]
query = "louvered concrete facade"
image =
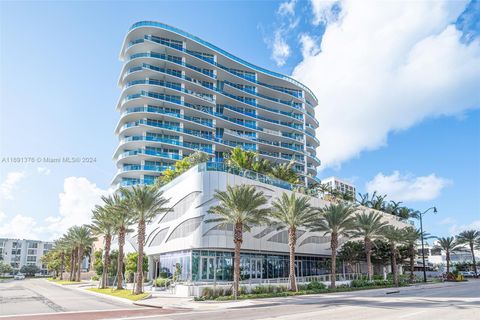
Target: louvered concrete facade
[
  {"x": 205, "y": 250},
  {"x": 181, "y": 94}
]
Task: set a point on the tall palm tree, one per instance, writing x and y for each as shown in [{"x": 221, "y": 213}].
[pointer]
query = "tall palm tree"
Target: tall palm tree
[
  {"x": 369, "y": 227},
  {"x": 336, "y": 220},
  {"x": 243, "y": 207},
  {"x": 145, "y": 203},
  {"x": 292, "y": 213},
  {"x": 103, "y": 225},
  {"x": 71, "y": 248},
  {"x": 83, "y": 239},
  {"x": 394, "y": 236},
  {"x": 449, "y": 245},
  {"x": 61, "y": 246},
  {"x": 122, "y": 219},
  {"x": 412, "y": 236},
  {"x": 470, "y": 237}
]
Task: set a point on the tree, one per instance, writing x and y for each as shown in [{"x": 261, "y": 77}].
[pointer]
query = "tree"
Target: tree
[
  {"x": 83, "y": 239},
  {"x": 243, "y": 207},
  {"x": 336, "y": 220},
  {"x": 285, "y": 172},
  {"x": 131, "y": 264},
  {"x": 470, "y": 237},
  {"x": 53, "y": 260},
  {"x": 412, "y": 235},
  {"x": 145, "y": 203},
  {"x": 394, "y": 236},
  {"x": 351, "y": 253},
  {"x": 242, "y": 159},
  {"x": 292, "y": 212},
  {"x": 449, "y": 245},
  {"x": 5, "y": 268},
  {"x": 368, "y": 227},
  {"x": 29, "y": 270},
  {"x": 181, "y": 166},
  {"x": 122, "y": 220},
  {"x": 104, "y": 225}
]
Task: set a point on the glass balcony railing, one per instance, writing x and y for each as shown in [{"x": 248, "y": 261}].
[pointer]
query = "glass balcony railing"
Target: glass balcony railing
[
  {"x": 135, "y": 182},
  {"x": 173, "y": 156},
  {"x": 221, "y": 51},
  {"x": 151, "y": 109},
  {"x": 168, "y": 141},
  {"x": 137, "y": 167}
]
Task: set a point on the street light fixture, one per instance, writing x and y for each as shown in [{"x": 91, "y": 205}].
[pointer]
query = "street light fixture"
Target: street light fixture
[{"x": 421, "y": 234}]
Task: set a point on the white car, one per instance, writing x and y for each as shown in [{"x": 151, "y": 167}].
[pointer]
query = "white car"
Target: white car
[
  {"x": 19, "y": 277},
  {"x": 467, "y": 274}
]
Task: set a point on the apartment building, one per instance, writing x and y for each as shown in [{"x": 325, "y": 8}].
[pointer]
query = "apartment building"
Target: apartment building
[{"x": 21, "y": 252}]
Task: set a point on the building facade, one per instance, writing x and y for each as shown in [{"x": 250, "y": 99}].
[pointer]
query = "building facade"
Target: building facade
[
  {"x": 204, "y": 249},
  {"x": 343, "y": 186},
  {"x": 19, "y": 253},
  {"x": 181, "y": 94}
]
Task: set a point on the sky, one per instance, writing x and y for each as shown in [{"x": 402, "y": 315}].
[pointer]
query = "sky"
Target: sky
[{"x": 398, "y": 85}]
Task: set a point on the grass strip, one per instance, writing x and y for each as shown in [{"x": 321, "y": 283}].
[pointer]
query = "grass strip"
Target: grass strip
[{"x": 125, "y": 294}]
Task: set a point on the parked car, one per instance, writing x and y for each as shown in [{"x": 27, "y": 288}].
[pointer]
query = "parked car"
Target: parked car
[
  {"x": 19, "y": 276},
  {"x": 467, "y": 274}
]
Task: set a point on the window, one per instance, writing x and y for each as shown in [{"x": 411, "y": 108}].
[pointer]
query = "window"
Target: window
[
  {"x": 32, "y": 252},
  {"x": 31, "y": 259}
]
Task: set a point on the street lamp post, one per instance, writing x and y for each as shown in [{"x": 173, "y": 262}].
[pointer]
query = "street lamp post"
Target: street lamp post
[{"x": 421, "y": 234}]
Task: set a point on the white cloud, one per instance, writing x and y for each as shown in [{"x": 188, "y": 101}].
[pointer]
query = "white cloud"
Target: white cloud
[
  {"x": 384, "y": 67},
  {"x": 456, "y": 229},
  {"x": 280, "y": 49},
  {"x": 309, "y": 45},
  {"x": 10, "y": 183},
  {"x": 322, "y": 11},
  {"x": 44, "y": 171},
  {"x": 20, "y": 227},
  {"x": 287, "y": 8},
  {"x": 77, "y": 200},
  {"x": 407, "y": 187}
]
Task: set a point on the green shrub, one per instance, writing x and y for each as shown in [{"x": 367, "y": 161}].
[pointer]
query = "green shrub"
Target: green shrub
[
  {"x": 161, "y": 282},
  {"x": 95, "y": 278},
  {"x": 315, "y": 285}
]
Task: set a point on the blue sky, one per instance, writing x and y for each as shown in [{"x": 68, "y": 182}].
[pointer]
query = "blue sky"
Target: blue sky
[{"x": 398, "y": 109}]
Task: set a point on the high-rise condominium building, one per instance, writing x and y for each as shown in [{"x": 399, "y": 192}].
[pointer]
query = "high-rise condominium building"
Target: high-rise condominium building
[{"x": 181, "y": 94}]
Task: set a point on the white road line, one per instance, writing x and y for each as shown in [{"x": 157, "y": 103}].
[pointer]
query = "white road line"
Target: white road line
[
  {"x": 408, "y": 315},
  {"x": 68, "y": 312}
]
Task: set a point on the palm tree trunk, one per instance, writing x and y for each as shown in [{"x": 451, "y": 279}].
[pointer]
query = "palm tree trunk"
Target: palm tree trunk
[
  {"x": 412, "y": 262},
  {"x": 448, "y": 262},
  {"x": 140, "y": 242},
  {"x": 394, "y": 264},
  {"x": 237, "y": 240},
  {"x": 473, "y": 259},
  {"x": 292, "y": 241},
  {"x": 62, "y": 264},
  {"x": 106, "y": 261},
  {"x": 121, "y": 243},
  {"x": 368, "y": 253},
  {"x": 72, "y": 264},
  {"x": 80, "y": 260},
  {"x": 333, "y": 272}
]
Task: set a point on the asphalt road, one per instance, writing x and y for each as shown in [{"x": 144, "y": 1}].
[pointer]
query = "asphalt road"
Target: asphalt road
[
  {"x": 456, "y": 301},
  {"x": 37, "y": 297}
]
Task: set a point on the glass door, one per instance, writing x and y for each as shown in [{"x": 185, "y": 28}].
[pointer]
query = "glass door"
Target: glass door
[
  {"x": 207, "y": 268},
  {"x": 298, "y": 268},
  {"x": 256, "y": 268}
]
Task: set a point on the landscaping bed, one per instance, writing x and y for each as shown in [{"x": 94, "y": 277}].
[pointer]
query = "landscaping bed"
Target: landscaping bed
[
  {"x": 63, "y": 282},
  {"x": 125, "y": 294}
]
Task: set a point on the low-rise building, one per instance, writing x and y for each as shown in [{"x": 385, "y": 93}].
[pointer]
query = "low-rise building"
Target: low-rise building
[
  {"x": 21, "y": 252},
  {"x": 343, "y": 186}
]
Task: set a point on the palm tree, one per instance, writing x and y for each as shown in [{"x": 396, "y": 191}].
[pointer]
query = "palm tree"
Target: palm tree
[
  {"x": 122, "y": 219},
  {"x": 71, "y": 248},
  {"x": 449, "y": 245},
  {"x": 377, "y": 202},
  {"x": 103, "y": 225},
  {"x": 470, "y": 237},
  {"x": 61, "y": 245},
  {"x": 145, "y": 203},
  {"x": 241, "y": 206},
  {"x": 243, "y": 159},
  {"x": 285, "y": 172},
  {"x": 412, "y": 236},
  {"x": 83, "y": 239},
  {"x": 292, "y": 213},
  {"x": 394, "y": 236},
  {"x": 336, "y": 220},
  {"x": 369, "y": 227}
]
